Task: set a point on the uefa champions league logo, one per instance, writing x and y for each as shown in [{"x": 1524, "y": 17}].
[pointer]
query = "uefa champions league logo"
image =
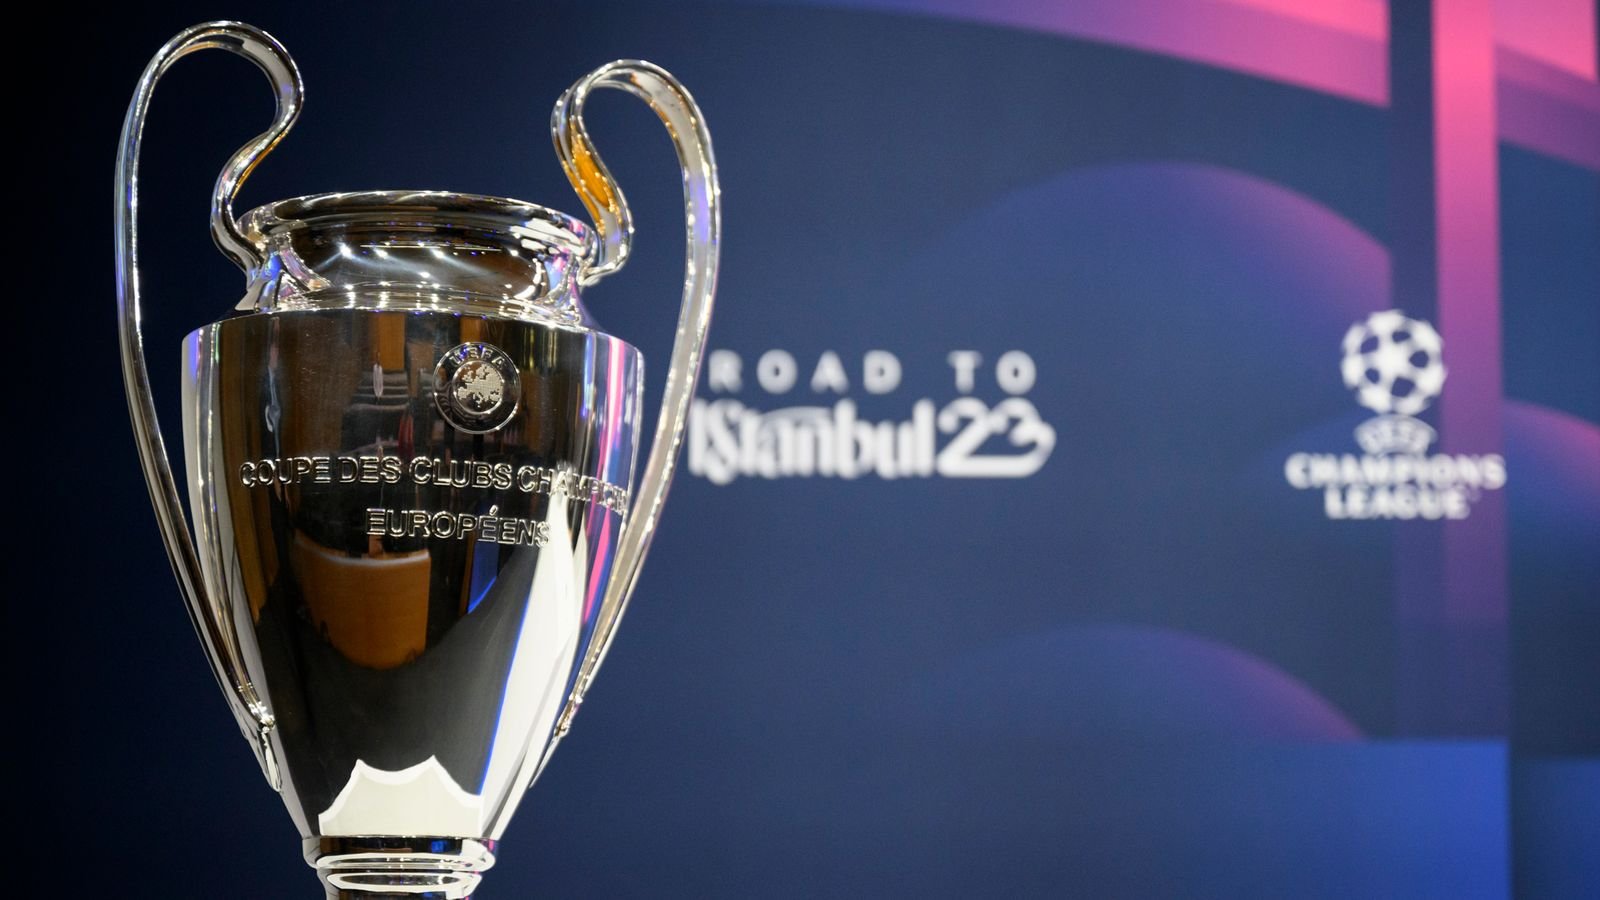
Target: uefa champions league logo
[{"x": 1395, "y": 366}]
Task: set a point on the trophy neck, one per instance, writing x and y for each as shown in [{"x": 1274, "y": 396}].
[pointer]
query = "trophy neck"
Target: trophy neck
[{"x": 418, "y": 250}]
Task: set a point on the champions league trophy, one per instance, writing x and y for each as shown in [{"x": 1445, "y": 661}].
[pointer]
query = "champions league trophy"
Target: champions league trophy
[{"x": 411, "y": 467}]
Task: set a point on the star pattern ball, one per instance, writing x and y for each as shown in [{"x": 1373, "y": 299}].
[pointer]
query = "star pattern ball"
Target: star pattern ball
[{"x": 1393, "y": 363}]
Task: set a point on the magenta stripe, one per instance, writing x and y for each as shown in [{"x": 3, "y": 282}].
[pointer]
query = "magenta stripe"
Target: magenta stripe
[{"x": 1467, "y": 186}]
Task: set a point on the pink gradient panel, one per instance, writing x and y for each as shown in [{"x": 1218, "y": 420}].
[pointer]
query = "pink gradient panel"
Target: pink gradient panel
[
  {"x": 1548, "y": 109},
  {"x": 1467, "y": 197},
  {"x": 1255, "y": 38},
  {"x": 1560, "y": 33},
  {"x": 1568, "y": 453},
  {"x": 1368, "y": 18}
]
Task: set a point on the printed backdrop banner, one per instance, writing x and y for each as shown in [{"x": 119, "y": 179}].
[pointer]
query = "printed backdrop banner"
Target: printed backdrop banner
[{"x": 1149, "y": 449}]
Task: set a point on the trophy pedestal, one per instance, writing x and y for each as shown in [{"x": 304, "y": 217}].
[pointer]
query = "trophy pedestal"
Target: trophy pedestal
[{"x": 412, "y": 868}]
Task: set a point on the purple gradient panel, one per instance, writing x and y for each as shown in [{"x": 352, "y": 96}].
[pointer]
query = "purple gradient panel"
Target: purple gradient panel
[
  {"x": 1560, "y": 32},
  {"x": 1547, "y": 109},
  {"x": 1157, "y": 261},
  {"x": 1281, "y": 47},
  {"x": 1557, "y": 459},
  {"x": 1312, "y": 271},
  {"x": 1113, "y": 683},
  {"x": 1336, "y": 47},
  {"x": 977, "y": 814},
  {"x": 1468, "y": 234},
  {"x": 1467, "y": 222},
  {"x": 1554, "y": 499},
  {"x": 1450, "y": 579}
]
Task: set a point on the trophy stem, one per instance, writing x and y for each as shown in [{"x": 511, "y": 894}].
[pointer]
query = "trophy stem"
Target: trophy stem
[{"x": 399, "y": 868}]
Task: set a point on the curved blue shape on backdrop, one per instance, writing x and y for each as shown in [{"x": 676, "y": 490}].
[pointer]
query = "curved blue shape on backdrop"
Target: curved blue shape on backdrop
[{"x": 1111, "y": 683}]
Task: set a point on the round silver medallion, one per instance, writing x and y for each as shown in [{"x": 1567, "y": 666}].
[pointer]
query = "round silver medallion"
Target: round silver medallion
[{"x": 476, "y": 387}]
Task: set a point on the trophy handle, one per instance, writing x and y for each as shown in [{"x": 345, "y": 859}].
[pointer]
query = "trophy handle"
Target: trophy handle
[
  {"x": 702, "y": 214},
  {"x": 212, "y": 621}
]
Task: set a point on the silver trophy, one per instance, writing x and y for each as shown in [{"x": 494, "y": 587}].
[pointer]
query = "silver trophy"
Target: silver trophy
[{"x": 411, "y": 478}]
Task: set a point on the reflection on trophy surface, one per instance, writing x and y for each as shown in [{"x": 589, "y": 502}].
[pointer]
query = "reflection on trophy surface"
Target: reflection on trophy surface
[{"x": 411, "y": 464}]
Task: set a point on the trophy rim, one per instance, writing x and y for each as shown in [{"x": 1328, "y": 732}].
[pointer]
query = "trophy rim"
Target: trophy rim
[
  {"x": 486, "y": 310},
  {"x": 420, "y": 207}
]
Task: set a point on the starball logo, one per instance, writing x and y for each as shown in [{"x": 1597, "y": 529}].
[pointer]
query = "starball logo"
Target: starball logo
[
  {"x": 731, "y": 437},
  {"x": 1395, "y": 366}
]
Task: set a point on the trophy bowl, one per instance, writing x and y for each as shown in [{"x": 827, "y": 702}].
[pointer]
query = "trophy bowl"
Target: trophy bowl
[{"x": 414, "y": 516}]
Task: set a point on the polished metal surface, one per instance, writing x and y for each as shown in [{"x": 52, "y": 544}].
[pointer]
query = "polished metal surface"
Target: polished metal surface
[
  {"x": 702, "y": 206},
  {"x": 412, "y": 599},
  {"x": 254, "y": 718},
  {"x": 417, "y": 250},
  {"x": 411, "y": 479},
  {"x": 418, "y": 869}
]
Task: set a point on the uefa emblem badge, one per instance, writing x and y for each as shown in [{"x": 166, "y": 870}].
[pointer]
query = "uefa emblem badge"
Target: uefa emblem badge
[{"x": 477, "y": 388}]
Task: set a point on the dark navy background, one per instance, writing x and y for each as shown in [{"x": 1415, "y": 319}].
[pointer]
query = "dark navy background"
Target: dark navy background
[{"x": 1153, "y": 669}]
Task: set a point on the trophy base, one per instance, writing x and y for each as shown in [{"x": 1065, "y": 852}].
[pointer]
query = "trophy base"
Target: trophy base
[{"x": 406, "y": 868}]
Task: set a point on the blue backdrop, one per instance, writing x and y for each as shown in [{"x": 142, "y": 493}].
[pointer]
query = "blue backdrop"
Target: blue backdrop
[{"x": 1062, "y": 515}]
